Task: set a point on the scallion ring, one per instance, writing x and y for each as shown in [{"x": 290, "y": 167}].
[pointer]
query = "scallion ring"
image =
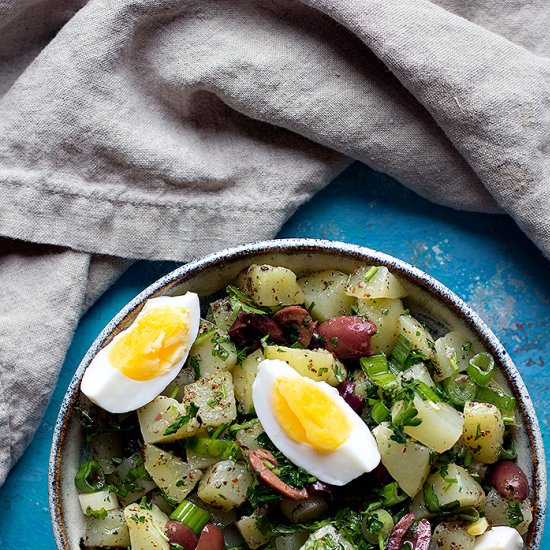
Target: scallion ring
[
  {"x": 480, "y": 368},
  {"x": 460, "y": 389}
]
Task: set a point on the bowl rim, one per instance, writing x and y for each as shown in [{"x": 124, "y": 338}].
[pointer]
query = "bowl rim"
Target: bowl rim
[{"x": 297, "y": 246}]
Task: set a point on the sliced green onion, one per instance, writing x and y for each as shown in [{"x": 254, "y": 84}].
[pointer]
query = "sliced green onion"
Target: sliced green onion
[
  {"x": 481, "y": 368},
  {"x": 460, "y": 390},
  {"x": 217, "y": 448},
  {"x": 468, "y": 457},
  {"x": 371, "y": 273},
  {"x": 377, "y": 369},
  {"x": 509, "y": 420},
  {"x": 403, "y": 353},
  {"x": 377, "y": 526},
  {"x": 425, "y": 391},
  {"x": 379, "y": 411},
  {"x": 392, "y": 494},
  {"x": 191, "y": 515},
  {"x": 470, "y": 514},
  {"x": 90, "y": 477},
  {"x": 504, "y": 402}
]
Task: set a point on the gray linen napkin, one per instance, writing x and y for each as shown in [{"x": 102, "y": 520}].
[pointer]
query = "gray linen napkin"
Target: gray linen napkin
[{"x": 166, "y": 129}]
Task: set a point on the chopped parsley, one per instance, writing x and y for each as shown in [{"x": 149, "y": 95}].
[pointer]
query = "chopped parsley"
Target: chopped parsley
[{"x": 182, "y": 420}]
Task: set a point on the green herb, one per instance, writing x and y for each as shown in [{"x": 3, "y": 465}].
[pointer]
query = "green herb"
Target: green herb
[
  {"x": 182, "y": 420},
  {"x": 128, "y": 484},
  {"x": 242, "y": 302},
  {"x": 138, "y": 519},
  {"x": 371, "y": 273},
  {"x": 479, "y": 434},
  {"x": 174, "y": 393},
  {"x": 338, "y": 373},
  {"x": 217, "y": 349},
  {"x": 266, "y": 527},
  {"x": 310, "y": 307},
  {"x": 241, "y": 355},
  {"x": 144, "y": 504},
  {"x": 195, "y": 363},
  {"x": 334, "y": 341},
  {"x": 467, "y": 346},
  {"x": 90, "y": 477},
  {"x": 515, "y": 516},
  {"x": 100, "y": 514},
  {"x": 234, "y": 428},
  {"x": 406, "y": 416}
]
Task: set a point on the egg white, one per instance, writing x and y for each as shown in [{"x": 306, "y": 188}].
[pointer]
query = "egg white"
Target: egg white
[
  {"x": 357, "y": 455},
  {"x": 107, "y": 387}
]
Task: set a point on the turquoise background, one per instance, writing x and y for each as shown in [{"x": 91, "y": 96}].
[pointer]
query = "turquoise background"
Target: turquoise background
[{"x": 485, "y": 259}]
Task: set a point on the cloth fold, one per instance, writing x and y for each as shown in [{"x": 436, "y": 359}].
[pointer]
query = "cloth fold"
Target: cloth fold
[{"x": 167, "y": 129}]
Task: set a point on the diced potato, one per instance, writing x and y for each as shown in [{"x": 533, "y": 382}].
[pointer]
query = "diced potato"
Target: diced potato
[
  {"x": 452, "y": 536},
  {"x": 100, "y": 500},
  {"x": 104, "y": 447},
  {"x": 108, "y": 531},
  {"x": 174, "y": 477},
  {"x": 158, "y": 499},
  {"x": 270, "y": 286},
  {"x": 326, "y": 291},
  {"x": 421, "y": 339},
  {"x": 247, "y": 438},
  {"x": 452, "y": 354},
  {"x": 408, "y": 464},
  {"x": 175, "y": 388},
  {"x": 225, "y": 485},
  {"x": 319, "y": 364},
  {"x": 440, "y": 427},
  {"x": 214, "y": 397},
  {"x": 132, "y": 479},
  {"x": 253, "y": 537},
  {"x": 382, "y": 284},
  {"x": 483, "y": 431},
  {"x": 384, "y": 313},
  {"x": 453, "y": 483},
  {"x": 361, "y": 381},
  {"x": 212, "y": 351},
  {"x": 147, "y": 528},
  {"x": 499, "y": 511},
  {"x": 243, "y": 378},
  {"x": 417, "y": 372},
  {"x": 201, "y": 462},
  {"x": 221, "y": 313},
  {"x": 221, "y": 518},
  {"x": 156, "y": 417},
  {"x": 418, "y": 507}
]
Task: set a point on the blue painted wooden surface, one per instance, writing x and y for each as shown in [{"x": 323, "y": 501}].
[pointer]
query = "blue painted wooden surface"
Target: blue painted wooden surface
[{"x": 485, "y": 259}]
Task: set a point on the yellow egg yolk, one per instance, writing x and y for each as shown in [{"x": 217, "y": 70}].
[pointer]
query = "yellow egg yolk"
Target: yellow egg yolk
[
  {"x": 309, "y": 415},
  {"x": 153, "y": 344}
]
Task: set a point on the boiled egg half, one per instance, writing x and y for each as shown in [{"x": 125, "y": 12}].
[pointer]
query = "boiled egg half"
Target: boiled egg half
[
  {"x": 312, "y": 425},
  {"x": 143, "y": 359}
]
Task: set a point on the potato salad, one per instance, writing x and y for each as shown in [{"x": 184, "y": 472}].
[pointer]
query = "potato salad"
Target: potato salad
[{"x": 300, "y": 413}]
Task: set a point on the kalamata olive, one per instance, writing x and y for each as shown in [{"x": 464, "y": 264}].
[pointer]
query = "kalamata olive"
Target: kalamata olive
[
  {"x": 510, "y": 481},
  {"x": 298, "y": 320},
  {"x": 398, "y": 532},
  {"x": 179, "y": 533},
  {"x": 347, "y": 390},
  {"x": 211, "y": 538},
  {"x": 347, "y": 337},
  {"x": 249, "y": 328}
]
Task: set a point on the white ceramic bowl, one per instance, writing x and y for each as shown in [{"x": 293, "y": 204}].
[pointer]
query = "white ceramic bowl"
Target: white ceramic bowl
[{"x": 435, "y": 304}]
